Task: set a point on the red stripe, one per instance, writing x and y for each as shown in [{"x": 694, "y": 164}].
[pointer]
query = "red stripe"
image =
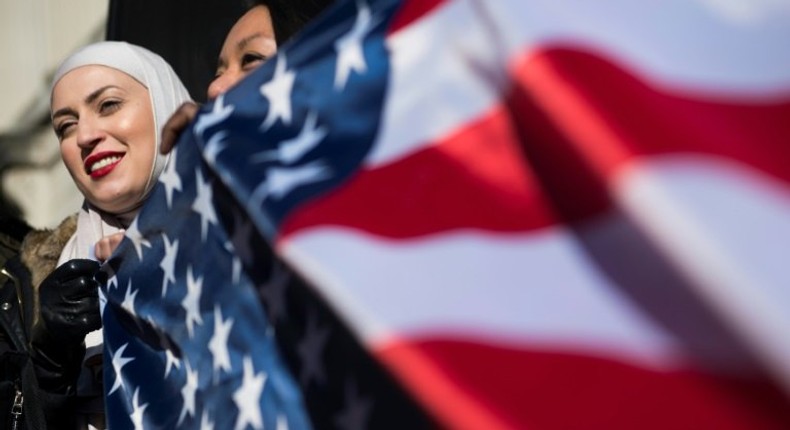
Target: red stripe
[
  {"x": 582, "y": 117},
  {"x": 474, "y": 179},
  {"x": 410, "y": 11},
  {"x": 577, "y": 119},
  {"x": 541, "y": 390}
]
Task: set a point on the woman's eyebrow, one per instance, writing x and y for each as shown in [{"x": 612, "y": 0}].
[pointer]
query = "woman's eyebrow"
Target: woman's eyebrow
[
  {"x": 244, "y": 42},
  {"x": 88, "y": 100},
  {"x": 63, "y": 112},
  {"x": 94, "y": 95}
]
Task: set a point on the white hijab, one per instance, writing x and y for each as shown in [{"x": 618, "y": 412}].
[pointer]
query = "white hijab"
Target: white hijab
[{"x": 166, "y": 92}]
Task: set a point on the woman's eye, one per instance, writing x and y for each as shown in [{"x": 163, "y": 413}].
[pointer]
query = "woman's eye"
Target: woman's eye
[
  {"x": 249, "y": 60},
  {"x": 63, "y": 128},
  {"x": 109, "y": 106}
]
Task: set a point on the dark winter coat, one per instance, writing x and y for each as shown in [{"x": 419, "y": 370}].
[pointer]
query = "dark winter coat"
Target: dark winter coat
[{"x": 26, "y": 258}]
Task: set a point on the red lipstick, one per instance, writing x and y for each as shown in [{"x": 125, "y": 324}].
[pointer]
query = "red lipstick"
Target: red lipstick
[{"x": 102, "y": 163}]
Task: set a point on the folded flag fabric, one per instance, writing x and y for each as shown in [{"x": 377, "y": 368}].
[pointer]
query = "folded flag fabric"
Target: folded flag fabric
[{"x": 475, "y": 214}]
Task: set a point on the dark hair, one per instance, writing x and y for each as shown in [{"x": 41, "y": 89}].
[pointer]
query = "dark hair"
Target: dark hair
[{"x": 289, "y": 16}]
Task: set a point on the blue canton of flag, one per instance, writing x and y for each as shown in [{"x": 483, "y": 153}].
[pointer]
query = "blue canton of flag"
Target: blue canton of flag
[
  {"x": 204, "y": 327},
  {"x": 187, "y": 342}
]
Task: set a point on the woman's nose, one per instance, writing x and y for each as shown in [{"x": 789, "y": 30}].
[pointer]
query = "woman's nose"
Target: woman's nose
[
  {"x": 88, "y": 135},
  {"x": 217, "y": 87},
  {"x": 222, "y": 83}
]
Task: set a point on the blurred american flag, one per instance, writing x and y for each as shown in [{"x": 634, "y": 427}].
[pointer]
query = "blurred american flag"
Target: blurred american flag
[{"x": 474, "y": 214}]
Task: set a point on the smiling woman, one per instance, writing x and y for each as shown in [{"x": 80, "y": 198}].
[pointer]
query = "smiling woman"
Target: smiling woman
[
  {"x": 104, "y": 121},
  {"x": 108, "y": 102}
]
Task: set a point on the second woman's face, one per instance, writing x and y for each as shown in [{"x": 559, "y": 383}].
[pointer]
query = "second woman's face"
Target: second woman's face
[
  {"x": 105, "y": 123},
  {"x": 249, "y": 43}
]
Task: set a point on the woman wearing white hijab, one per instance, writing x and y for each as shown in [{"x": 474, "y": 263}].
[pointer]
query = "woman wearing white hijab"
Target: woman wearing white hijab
[
  {"x": 108, "y": 209},
  {"x": 109, "y": 101}
]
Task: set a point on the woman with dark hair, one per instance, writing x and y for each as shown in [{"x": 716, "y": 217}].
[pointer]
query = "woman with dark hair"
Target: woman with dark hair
[
  {"x": 256, "y": 35},
  {"x": 288, "y": 17},
  {"x": 254, "y": 38},
  {"x": 249, "y": 43}
]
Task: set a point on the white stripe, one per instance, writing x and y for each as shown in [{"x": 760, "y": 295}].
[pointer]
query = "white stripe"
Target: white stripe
[
  {"x": 694, "y": 45},
  {"x": 728, "y": 228},
  {"x": 450, "y": 67},
  {"x": 438, "y": 81},
  {"x": 534, "y": 289}
]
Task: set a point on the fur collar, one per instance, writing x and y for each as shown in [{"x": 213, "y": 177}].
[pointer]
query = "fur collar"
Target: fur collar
[{"x": 41, "y": 250}]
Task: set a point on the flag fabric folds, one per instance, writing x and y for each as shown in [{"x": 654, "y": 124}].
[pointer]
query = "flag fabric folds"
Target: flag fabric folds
[{"x": 474, "y": 214}]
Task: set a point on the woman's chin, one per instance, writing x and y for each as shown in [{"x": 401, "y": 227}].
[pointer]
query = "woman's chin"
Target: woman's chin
[{"x": 112, "y": 206}]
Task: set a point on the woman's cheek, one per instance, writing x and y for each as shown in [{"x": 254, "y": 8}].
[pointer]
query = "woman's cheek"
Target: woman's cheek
[{"x": 71, "y": 158}]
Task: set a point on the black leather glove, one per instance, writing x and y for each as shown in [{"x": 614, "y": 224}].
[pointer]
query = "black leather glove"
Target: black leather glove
[
  {"x": 69, "y": 308},
  {"x": 69, "y": 301}
]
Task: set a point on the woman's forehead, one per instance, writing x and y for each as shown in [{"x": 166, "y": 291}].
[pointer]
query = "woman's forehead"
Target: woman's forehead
[
  {"x": 84, "y": 80},
  {"x": 100, "y": 75}
]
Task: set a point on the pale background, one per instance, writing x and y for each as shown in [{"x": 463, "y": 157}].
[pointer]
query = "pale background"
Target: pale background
[{"x": 35, "y": 35}]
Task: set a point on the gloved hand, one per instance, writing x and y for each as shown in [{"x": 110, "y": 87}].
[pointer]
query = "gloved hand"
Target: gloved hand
[
  {"x": 69, "y": 308},
  {"x": 69, "y": 301}
]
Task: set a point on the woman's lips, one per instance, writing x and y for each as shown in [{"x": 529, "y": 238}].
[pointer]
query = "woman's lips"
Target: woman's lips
[{"x": 98, "y": 165}]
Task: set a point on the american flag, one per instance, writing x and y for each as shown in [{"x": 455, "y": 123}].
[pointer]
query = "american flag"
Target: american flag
[{"x": 474, "y": 214}]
